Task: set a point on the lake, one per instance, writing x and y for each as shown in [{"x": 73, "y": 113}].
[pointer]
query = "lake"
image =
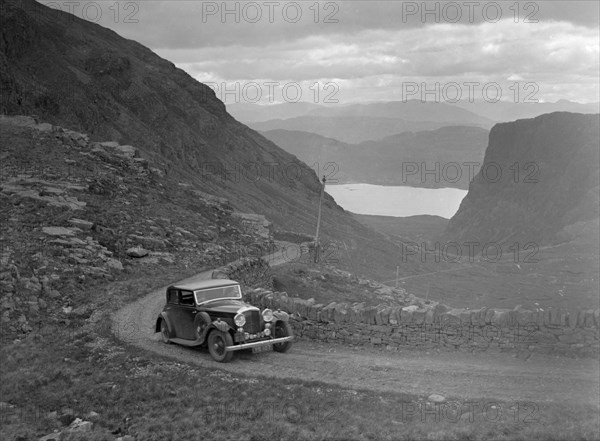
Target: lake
[{"x": 399, "y": 201}]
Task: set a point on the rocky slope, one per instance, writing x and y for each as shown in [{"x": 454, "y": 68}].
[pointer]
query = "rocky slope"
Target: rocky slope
[
  {"x": 77, "y": 214},
  {"x": 539, "y": 183},
  {"x": 78, "y": 75}
]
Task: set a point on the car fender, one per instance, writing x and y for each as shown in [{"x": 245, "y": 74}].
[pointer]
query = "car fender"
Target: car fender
[
  {"x": 163, "y": 316},
  {"x": 221, "y": 325},
  {"x": 281, "y": 315}
]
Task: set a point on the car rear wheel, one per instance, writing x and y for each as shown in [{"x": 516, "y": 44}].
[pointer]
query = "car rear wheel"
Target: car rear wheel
[
  {"x": 217, "y": 342},
  {"x": 165, "y": 334},
  {"x": 282, "y": 329}
]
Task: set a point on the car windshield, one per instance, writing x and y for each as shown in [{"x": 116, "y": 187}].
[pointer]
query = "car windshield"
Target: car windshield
[{"x": 222, "y": 292}]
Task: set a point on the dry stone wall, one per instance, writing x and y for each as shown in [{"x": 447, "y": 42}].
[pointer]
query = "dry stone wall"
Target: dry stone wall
[{"x": 550, "y": 330}]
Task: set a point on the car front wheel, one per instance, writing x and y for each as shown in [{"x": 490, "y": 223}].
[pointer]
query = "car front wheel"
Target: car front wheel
[
  {"x": 217, "y": 342},
  {"x": 283, "y": 329}
]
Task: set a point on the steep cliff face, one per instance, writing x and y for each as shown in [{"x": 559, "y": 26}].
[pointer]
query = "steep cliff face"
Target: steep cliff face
[{"x": 539, "y": 176}]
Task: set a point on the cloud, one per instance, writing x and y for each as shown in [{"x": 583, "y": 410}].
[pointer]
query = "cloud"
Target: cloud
[
  {"x": 178, "y": 24},
  {"x": 367, "y": 46},
  {"x": 500, "y": 52}
]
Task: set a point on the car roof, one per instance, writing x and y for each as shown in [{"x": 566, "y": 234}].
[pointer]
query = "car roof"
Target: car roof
[{"x": 202, "y": 284}]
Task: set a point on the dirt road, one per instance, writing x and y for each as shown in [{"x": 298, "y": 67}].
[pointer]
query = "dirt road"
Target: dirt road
[{"x": 540, "y": 378}]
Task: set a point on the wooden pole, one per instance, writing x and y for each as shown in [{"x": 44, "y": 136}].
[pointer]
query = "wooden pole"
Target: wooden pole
[{"x": 317, "y": 250}]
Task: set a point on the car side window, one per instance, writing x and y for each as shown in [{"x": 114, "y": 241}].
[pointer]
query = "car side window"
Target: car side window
[
  {"x": 186, "y": 298},
  {"x": 173, "y": 296}
]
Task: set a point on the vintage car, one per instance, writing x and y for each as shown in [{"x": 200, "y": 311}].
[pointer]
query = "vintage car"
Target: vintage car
[{"x": 212, "y": 313}]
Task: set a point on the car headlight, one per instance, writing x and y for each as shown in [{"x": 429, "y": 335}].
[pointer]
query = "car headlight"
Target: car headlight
[
  {"x": 267, "y": 315},
  {"x": 240, "y": 320}
]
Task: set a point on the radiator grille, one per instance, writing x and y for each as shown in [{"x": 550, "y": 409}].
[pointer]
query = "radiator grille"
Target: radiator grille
[{"x": 252, "y": 322}]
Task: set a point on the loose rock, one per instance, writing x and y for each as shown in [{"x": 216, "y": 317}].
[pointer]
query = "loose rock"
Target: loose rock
[{"x": 137, "y": 252}]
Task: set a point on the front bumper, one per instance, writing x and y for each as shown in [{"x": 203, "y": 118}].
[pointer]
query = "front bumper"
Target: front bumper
[{"x": 258, "y": 343}]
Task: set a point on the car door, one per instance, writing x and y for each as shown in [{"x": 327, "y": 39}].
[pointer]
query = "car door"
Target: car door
[
  {"x": 184, "y": 314},
  {"x": 172, "y": 310}
]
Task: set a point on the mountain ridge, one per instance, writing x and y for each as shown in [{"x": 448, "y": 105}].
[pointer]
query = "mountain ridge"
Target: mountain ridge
[
  {"x": 400, "y": 159},
  {"x": 409, "y": 110},
  {"x": 350, "y": 129}
]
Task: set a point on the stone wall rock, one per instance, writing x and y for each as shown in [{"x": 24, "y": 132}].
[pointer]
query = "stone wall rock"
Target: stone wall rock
[{"x": 430, "y": 326}]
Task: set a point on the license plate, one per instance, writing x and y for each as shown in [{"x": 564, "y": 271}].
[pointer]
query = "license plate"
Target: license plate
[{"x": 264, "y": 348}]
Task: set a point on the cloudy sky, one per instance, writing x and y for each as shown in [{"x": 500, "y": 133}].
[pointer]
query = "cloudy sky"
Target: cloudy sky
[{"x": 378, "y": 50}]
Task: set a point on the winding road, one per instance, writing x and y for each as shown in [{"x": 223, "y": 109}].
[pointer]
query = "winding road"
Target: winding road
[{"x": 486, "y": 375}]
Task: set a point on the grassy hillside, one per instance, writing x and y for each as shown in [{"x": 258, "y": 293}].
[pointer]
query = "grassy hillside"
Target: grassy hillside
[{"x": 406, "y": 229}]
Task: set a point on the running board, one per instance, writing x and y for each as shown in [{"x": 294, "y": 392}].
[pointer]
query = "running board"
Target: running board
[
  {"x": 258, "y": 343},
  {"x": 184, "y": 342}
]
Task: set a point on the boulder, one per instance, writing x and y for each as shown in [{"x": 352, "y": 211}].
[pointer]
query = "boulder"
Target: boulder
[
  {"x": 82, "y": 224},
  {"x": 114, "y": 264},
  {"x": 51, "y": 191},
  {"x": 436, "y": 398},
  {"x": 137, "y": 252},
  {"x": 149, "y": 242},
  {"x": 44, "y": 127},
  {"x": 51, "y": 437},
  {"x": 571, "y": 338},
  {"x": 110, "y": 144},
  {"x": 93, "y": 415},
  {"x": 53, "y": 294},
  {"x": 126, "y": 150},
  {"x": 31, "y": 285},
  {"x": 58, "y": 231},
  {"x": 79, "y": 425}
]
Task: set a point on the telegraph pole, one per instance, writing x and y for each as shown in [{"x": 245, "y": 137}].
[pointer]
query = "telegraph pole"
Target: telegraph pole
[{"x": 317, "y": 246}]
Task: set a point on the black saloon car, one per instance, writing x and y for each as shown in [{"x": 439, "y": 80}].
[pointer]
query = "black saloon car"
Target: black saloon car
[{"x": 212, "y": 313}]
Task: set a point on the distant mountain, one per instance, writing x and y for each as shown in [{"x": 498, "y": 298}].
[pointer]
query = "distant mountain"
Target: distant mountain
[
  {"x": 310, "y": 148},
  {"x": 539, "y": 183},
  {"x": 247, "y": 112},
  {"x": 410, "y": 110},
  {"x": 401, "y": 159},
  {"x": 356, "y": 123},
  {"x": 350, "y": 129},
  {"x": 478, "y": 113},
  {"x": 510, "y": 111}
]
